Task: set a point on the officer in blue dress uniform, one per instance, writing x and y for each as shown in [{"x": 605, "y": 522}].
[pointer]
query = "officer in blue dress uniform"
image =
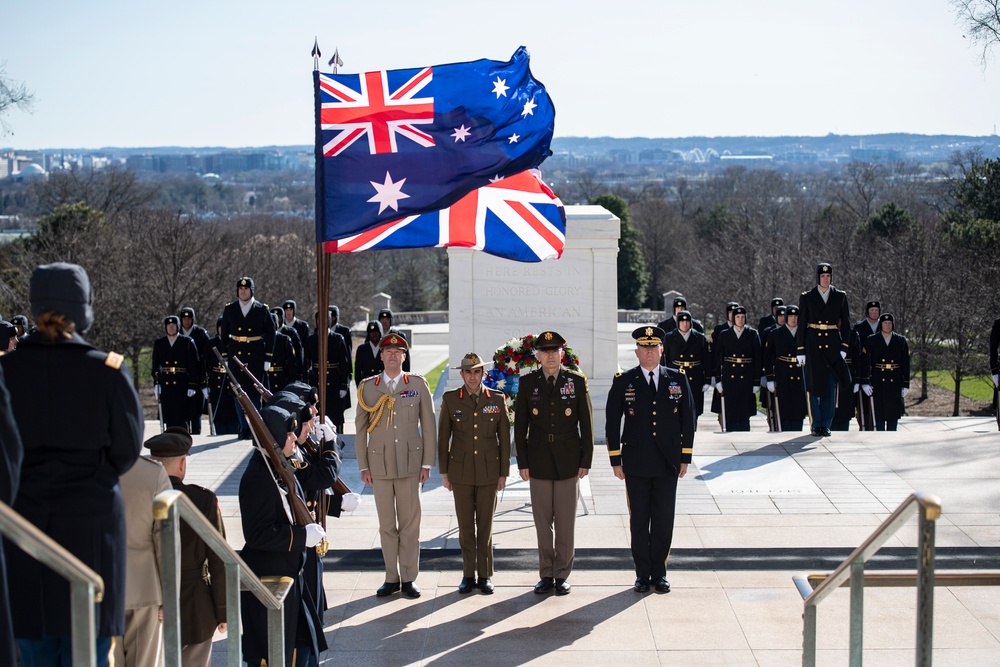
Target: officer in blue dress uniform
[{"x": 651, "y": 452}]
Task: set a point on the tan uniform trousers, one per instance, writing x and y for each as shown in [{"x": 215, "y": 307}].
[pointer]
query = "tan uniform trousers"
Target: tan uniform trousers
[
  {"x": 553, "y": 506},
  {"x": 397, "y": 503},
  {"x": 142, "y": 645}
]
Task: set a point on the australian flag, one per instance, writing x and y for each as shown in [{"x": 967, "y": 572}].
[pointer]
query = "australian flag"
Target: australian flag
[
  {"x": 518, "y": 218},
  {"x": 399, "y": 143}
]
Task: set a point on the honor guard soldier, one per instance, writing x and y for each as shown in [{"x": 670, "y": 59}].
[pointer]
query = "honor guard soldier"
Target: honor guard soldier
[
  {"x": 823, "y": 337},
  {"x": 203, "y": 574},
  {"x": 766, "y": 402},
  {"x": 554, "y": 439},
  {"x": 367, "y": 362},
  {"x": 277, "y": 547},
  {"x": 334, "y": 312},
  {"x": 247, "y": 333},
  {"x": 81, "y": 425},
  {"x": 395, "y": 444},
  {"x": 740, "y": 362},
  {"x": 784, "y": 375},
  {"x": 669, "y": 324},
  {"x": 868, "y": 325},
  {"x": 688, "y": 352},
  {"x": 385, "y": 319},
  {"x": 20, "y": 323},
  {"x": 722, "y": 326},
  {"x": 771, "y": 320},
  {"x": 885, "y": 373},
  {"x": 651, "y": 452},
  {"x": 719, "y": 328},
  {"x": 298, "y": 346},
  {"x": 338, "y": 377},
  {"x": 222, "y": 411},
  {"x": 285, "y": 366},
  {"x": 301, "y": 326},
  {"x": 196, "y": 404},
  {"x": 176, "y": 373},
  {"x": 848, "y": 396},
  {"x": 474, "y": 459}
]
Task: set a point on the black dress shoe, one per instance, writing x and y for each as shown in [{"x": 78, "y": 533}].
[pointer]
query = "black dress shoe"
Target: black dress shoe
[
  {"x": 387, "y": 589},
  {"x": 485, "y": 586},
  {"x": 562, "y": 587},
  {"x": 544, "y": 585},
  {"x": 410, "y": 589},
  {"x": 817, "y": 432},
  {"x": 827, "y": 433},
  {"x": 663, "y": 586},
  {"x": 641, "y": 585},
  {"x": 468, "y": 583}
]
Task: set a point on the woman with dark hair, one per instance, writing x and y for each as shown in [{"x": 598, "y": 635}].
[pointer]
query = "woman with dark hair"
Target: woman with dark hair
[{"x": 81, "y": 425}]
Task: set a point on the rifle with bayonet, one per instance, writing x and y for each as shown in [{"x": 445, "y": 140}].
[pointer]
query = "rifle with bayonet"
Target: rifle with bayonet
[
  {"x": 312, "y": 447},
  {"x": 300, "y": 512}
]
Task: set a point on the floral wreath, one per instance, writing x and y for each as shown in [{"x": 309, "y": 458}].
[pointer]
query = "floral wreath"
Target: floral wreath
[{"x": 517, "y": 354}]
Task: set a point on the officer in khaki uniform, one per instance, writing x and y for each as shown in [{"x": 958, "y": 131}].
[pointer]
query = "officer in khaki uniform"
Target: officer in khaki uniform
[
  {"x": 142, "y": 644},
  {"x": 395, "y": 445},
  {"x": 474, "y": 459},
  {"x": 554, "y": 437},
  {"x": 203, "y": 574}
]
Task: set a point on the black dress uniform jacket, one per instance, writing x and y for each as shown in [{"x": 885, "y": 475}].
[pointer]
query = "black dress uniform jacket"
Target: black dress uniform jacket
[
  {"x": 203, "y": 574},
  {"x": 554, "y": 429},
  {"x": 285, "y": 366},
  {"x": 886, "y": 367},
  {"x": 176, "y": 368},
  {"x": 337, "y": 374},
  {"x": 11, "y": 454},
  {"x": 249, "y": 337},
  {"x": 782, "y": 368},
  {"x": 846, "y": 398},
  {"x": 274, "y": 547},
  {"x": 223, "y": 407},
  {"x": 670, "y": 324},
  {"x": 823, "y": 333},
  {"x": 994, "y": 346},
  {"x": 81, "y": 425},
  {"x": 740, "y": 365},
  {"x": 693, "y": 357},
  {"x": 367, "y": 362},
  {"x": 658, "y": 435}
]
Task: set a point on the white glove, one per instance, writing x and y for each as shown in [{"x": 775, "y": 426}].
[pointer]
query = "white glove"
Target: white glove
[
  {"x": 329, "y": 434},
  {"x": 314, "y": 534},
  {"x": 763, "y": 380},
  {"x": 770, "y": 387},
  {"x": 156, "y": 391},
  {"x": 191, "y": 393},
  {"x": 996, "y": 381},
  {"x": 718, "y": 388},
  {"x": 343, "y": 392},
  {"x": 855, "y": 388},
  {"x": 801, "y": 359},
  {"x": 756, "y": 388},
  {"x": 705, "y": 387},
  {"x": 843, "y": 355},
  {"x": 867, "y": 389},
  {"x": 267, "y": 366},
  {"x": 906, "y": 390},
  {"x": 350, "y": 502},
  {"x": 204, "y": 392}
]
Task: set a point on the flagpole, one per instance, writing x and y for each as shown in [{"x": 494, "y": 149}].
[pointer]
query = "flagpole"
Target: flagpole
[{"x": 322, "y": 258}]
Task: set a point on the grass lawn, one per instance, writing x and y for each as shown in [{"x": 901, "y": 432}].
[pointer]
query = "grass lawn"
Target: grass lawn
[
  {"x": 975, "y": 387},
  {"x": 435, "y": 375}
]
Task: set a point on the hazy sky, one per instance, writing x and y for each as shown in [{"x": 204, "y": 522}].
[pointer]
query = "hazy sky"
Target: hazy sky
[{"x": 238, "y": 73}]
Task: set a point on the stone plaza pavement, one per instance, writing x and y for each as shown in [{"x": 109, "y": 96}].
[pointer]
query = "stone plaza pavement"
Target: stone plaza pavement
[{"x": 755, "y": 509}]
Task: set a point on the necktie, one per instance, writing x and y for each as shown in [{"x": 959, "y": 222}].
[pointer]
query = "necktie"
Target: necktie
[
  {"x": 652, "y": 384},
  {"x": 552, "y": 383},
  {"x": 475, "y": 400},
  {"x": 392, "y": 386}
]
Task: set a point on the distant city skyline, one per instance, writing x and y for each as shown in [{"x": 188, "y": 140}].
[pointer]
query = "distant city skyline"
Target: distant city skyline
[{"x": 116, "y": 73}]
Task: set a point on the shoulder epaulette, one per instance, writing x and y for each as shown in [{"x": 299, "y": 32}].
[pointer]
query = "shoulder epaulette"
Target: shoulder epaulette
[
  {"x": 618, "y": 374},
  {"x": 806, "y": 292},
  {"x": 114, "y": 360}
]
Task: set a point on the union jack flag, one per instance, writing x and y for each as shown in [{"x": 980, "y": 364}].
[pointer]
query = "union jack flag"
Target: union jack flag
[
  {"x": 376, "y": 111},
  {"x": 518, "y": 217},
  {"x": 398, "y": 143}
]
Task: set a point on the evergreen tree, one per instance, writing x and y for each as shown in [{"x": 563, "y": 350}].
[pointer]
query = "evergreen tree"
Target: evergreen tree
[{"x": 632, "y": 274}]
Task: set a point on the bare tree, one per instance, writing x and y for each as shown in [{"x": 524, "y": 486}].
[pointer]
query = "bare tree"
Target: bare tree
[
  {"x": 12, "y": 94},
  {"x": 981, "y": 21}
]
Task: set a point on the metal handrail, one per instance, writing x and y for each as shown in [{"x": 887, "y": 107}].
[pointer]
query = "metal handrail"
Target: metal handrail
[
  {"x": 853, "y": 568},
  {"x": 168, "y": 507},
  {"x": 86, "y": 586}
]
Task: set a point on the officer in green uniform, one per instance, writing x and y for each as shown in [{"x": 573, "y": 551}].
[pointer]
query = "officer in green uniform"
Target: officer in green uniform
[{"x": 554, "y": 437}]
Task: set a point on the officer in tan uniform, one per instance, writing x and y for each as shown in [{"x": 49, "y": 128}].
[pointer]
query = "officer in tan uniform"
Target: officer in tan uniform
[
  {"x": 554, "y": 437},
  {"x": 474, "y": 459},
  {"x": 395, "y": 445}
]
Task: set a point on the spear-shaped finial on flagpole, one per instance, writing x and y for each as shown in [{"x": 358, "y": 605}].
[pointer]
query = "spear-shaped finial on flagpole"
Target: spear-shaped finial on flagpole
[
  {"x": 316, "y": 54},
  {"x": 335, "y": 61}
]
